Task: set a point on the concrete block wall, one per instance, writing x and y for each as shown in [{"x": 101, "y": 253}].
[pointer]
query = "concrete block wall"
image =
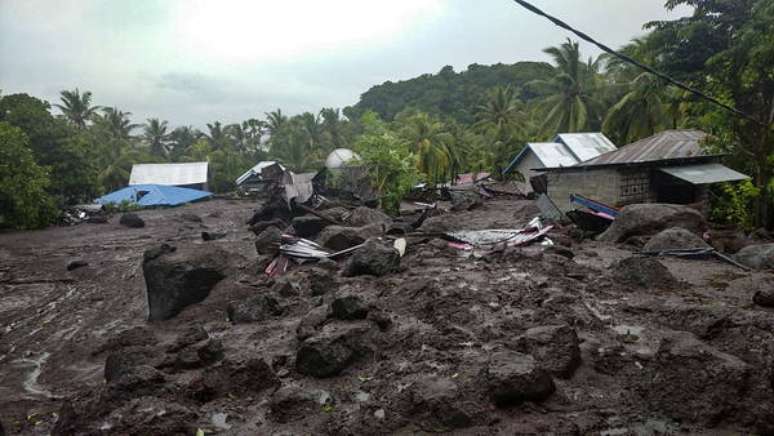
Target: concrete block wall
[{"x": 602, "y": 185}]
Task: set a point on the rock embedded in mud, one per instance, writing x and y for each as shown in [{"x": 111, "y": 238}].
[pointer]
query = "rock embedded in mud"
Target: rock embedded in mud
[
  {"x": 137, "y": 381},
  {"x": 349, "y": 307},
  {"x": 190, "y": 216},
  {"x": 134, "y": 336},
  {"x": 293, "y": 403},
  {"x": 123, "y": 361},
  {"x": 311, "y": 322},
  {"x": 643, "y": 272},
  {"x": 464, "y": 200},
  {"x": 175, "y": 280},
  {"x": 268, "y": 241},
  {"x": 188, "y": 337},
  {"x": 674, "y": 238},
  {"x": 651, "y": 218},
  {"x": 233, "y": 378},
  {"x": 555, "y": 347},
  {"x": 363, "y": 216},
  {"x": 514, "y": 377},
  {"x": 339, "y": 238},
  {"x": 285, "y": 287},
  {"x": 436, "y": 404},
  {"x": 131, "y": 220},
  {"x": 329, "y": 352},
  {"x": 693, "y": 381},
  {"x": 76, "y": 263},
  {"x": 212, "y": 236},
  {"x": 759, "y": 256},
  {"x": 254, "y": 309},
  {"x": 307, "y": 226},
  {"x": 374, "y": 258},
  {"x": 764, "y": 297}
]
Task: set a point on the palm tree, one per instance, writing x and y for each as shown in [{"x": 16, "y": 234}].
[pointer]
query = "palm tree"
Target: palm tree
[
  {"x": 501, "y": 111},
  {"x": 76, "y": 107},
  {"x": 180, "y": 139},
  {"x": 156, "y": 136},
  {"x": 314, "y": 132},
  {"x": 217, "y": 136},
  {"x": 275, "y": 120},
  {"x": 570, "y": 104},
  {"x": 429, "y": 140},
  {"x": 115, "y": 122},
  {"x": 331, "y": 120},
  {"x": 641, "y": 112}
]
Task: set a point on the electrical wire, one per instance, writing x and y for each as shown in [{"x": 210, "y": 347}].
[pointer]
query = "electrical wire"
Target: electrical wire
[{"x": 634, "y": 62}]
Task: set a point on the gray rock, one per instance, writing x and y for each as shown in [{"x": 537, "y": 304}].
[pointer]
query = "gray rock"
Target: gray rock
[
  {"x": 122, "y": 361},
  {"x": 349, "y": 307},
  {"x": 374, "y": 258},
  {"x": 254, "y": 309},
  {"x": 333, "y": 349},
  {"x": 190, "y": 216},
  {"x": 233, "y": 378},
  {"x": 268, "y": 241},
  {"x": 311, "y": 322},
  {"x": 464, "y": 200},
  {"x": 212, "y": 236},
  {"x": 286, "y": 287},
  {"x": 437, "y": 406},
  {"x": 76, "y": 263},
  {"x": 693, "y": 381},
  {"x": 339, "y": 238},
  {"x": 292, "y": 403},
  {"x": 307, "y": 226},
  {"x": 764, "y": 297},
  {"x": 131, "y": 220},
  {"x": 555, "y": 347},
  {"x": 363, "y": 216},
  {"x": 514, "y": 377},
  {"x": 188, "y": 337},
  {"x": 674, "y": 238},
  {"x": 651, "y": 218},
  {"x": 759, "y": 256},
  {"x": 180, "y": 278},
  {"x": 643, "y": 272}
]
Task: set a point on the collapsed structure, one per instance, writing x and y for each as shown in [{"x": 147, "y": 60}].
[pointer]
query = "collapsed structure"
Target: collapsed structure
[{"x": 192, "y": 175}]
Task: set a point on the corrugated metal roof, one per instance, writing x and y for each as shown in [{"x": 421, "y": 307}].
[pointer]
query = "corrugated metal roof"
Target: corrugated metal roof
[
  {"x": 553, "y": 154},
  {"x": 586, "y": 146},
  {"x": 257, "y": 169},
  {"x": 669, "y": 144},
  {"x": 704, "y": 174},
  {"x": 170, "y": 174}
]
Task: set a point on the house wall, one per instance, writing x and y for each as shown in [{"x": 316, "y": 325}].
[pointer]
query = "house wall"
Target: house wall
[
  {"x": 602, "y": 185},
  {"x": 527, "y": 162}
]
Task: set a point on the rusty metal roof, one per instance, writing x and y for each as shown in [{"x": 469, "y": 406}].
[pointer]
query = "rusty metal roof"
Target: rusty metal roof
[{"x": 669, "y": 144}]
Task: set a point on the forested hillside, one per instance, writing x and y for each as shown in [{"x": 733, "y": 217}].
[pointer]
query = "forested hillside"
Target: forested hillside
[{"x": 449, "y": 94}]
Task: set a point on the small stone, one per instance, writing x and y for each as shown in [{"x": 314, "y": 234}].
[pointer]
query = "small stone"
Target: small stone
[
  {"x": 349, "y": 307},
  {"x": 379, "y": 414},
  {"x": 190, "y": 216},
  {"x": 76, "y": 263}
]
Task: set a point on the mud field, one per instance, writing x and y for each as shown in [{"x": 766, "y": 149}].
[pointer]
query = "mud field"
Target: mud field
[{"x": 530, "y": 340}]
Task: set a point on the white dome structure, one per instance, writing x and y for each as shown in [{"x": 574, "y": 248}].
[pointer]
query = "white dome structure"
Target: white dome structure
[{"x": 340, "y": 157}]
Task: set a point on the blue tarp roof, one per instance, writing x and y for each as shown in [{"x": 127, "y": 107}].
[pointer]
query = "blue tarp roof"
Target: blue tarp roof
[{"x": 154, "y": 195}]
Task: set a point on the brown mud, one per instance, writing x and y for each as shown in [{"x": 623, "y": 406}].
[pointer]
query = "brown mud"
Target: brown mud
[{"x": 414, "y": 355}]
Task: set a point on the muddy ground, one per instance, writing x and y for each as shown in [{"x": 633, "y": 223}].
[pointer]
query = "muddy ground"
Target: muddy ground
[{"x": 691, "y": 356}]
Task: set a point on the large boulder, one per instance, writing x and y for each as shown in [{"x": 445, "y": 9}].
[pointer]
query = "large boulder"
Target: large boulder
[
  {"x": 674, "y": 238},
  {"x": 333, "y": 349},
  {"x": 513, "y": 377},
  {"x": 374, "y": 258},
  {"x": 349, "y": 307},
  {"x": 436, "y": 404},
  {"x": 650, "y": 218},
  {"x": 464, "y": 200},
  {"x": 363, "y": 216},
  {"x": 233, "y": 378},
  {"x": 131, "y": 220},
  {"x": 643, "y": 272},
  {"x": 339, "y": 238},
  {"x": 555, "y": 347},
  {"x": 122, "y": 361},
  {"x": 254, "y": 309},
  {"x": 759, "y": 256},
  {"x": 268, "y": 241},
  {"x": 693, "y": 381},
  {"x": 307, "y": 226},
  {"x": 176, "y": 278}
]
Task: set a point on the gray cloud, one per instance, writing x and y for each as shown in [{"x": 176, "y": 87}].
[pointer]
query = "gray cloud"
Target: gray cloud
[{"x": 193, "y": 61}]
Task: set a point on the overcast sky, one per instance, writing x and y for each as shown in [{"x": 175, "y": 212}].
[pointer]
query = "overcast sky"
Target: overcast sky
[{"x": 195, "y": 61}]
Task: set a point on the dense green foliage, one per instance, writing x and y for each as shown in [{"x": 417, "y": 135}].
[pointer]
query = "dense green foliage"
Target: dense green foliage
[
  {"x": 23, "y": 199},
  {"x": 437, "y": 125}
]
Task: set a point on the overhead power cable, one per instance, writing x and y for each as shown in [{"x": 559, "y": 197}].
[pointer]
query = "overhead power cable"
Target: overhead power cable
[{"x": 636, "y": 63}]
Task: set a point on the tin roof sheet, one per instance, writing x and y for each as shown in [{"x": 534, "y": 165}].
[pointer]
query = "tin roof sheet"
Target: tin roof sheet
[
  {"x": 704, "y": 174},
  {"x": 169, "y": 174},
  {"x": 553, "y": 154},
  {"x": 669, "y": 144},
  {"x": 586, "y": 146}
]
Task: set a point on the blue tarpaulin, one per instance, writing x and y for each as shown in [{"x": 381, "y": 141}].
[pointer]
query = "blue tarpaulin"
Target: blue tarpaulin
[{"x": 153, "y": 195}]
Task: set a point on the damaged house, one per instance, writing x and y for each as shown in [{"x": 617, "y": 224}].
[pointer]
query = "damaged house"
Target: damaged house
[
  {"x": 668, "y": 167},
  {"x": 566, "y": 150}
]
